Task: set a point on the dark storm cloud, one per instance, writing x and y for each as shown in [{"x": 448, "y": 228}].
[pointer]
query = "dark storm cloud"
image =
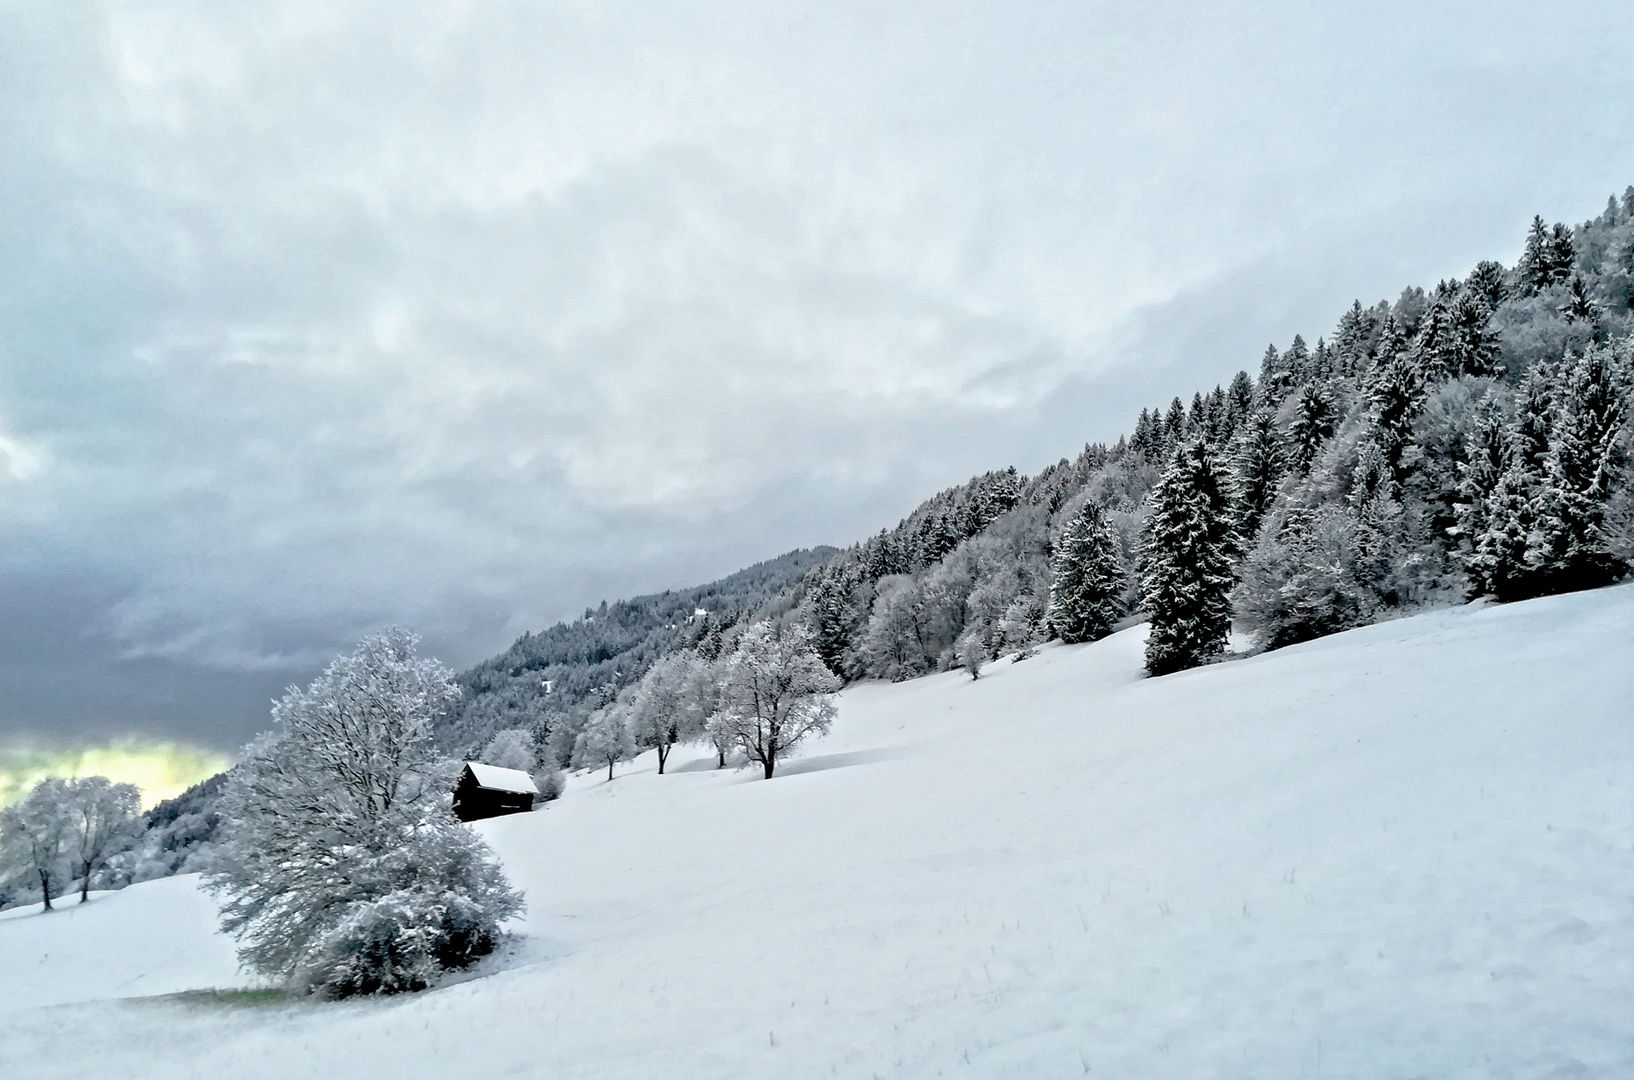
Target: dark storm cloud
[{"x": 324, "y": 316}]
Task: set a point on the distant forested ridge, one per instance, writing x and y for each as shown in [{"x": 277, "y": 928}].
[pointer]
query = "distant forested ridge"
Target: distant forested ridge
[
  {"x": 1464, "y": 440},
  {"x": 586, "y": 662}
]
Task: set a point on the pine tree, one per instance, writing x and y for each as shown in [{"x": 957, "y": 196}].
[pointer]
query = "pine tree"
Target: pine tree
[
  {"x": 1174, "y": 424},
  {"x": 1297, "y": 362},
  {"x": 1578, "y": 307},
  {"x": 1472, "y": 345},
  {"x": 1487, "y": 454},
  {"x": 1257, "y": 467},
  {"x": 1395, "y": 393},
  {"x": 1313, "y": 425},
  {"x": 1186, "y": 557},
  {"x": 1569, "y": 549},
  {"x": 1350, "y": 341},
  {"x": 1239, "y": 402},
  {"x": 1535, "y": 268},
  {"x": 826, "y": 601},
  {"x": 1488, "y": 283},
  {"x": 1274, "y": 376},
  {"x": 1087, "y": 579}
]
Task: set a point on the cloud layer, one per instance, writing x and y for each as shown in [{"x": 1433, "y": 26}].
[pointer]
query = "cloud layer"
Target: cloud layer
[{"x": 322, "y": 316}]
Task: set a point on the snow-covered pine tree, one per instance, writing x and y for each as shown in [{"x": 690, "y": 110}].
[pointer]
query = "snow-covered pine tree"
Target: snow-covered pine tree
[
  {"x": 1568, "y": 548},
  {"x": 1535, "y": 270},
  {"x": 1257, "y": 467},
  {"x": 1086, "y": 585},
  {"x": 1395, "y": 392},
  {"x": 1174, "y": 424},
  {"x": 1239, "y": 402},
  {"x": 1498, "y": 564},
  {"x": 1471, "y": 345},
  {"x": 1315, "y": 417},
  {"x": 344, "y": 871},
  {"x": 1186, "y": 562},
  {"x": 1275, "y": 378}
]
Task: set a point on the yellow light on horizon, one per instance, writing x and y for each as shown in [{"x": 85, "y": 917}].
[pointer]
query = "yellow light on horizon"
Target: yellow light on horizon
[{"x": 162, "y": 770}]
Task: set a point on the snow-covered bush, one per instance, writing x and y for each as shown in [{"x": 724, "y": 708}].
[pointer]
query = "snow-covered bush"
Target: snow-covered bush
[
  {"x": 343, "y": 868},
  {"x": 443, "y": 917}
]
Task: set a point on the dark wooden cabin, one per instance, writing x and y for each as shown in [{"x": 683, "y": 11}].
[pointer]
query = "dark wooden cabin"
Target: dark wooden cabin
[{"x": 486, "y": 791}]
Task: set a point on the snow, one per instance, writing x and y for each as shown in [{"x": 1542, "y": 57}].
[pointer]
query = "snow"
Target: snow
[
  {"x": 494, "y": 778},
  {"x": 1401, "y": 851}
]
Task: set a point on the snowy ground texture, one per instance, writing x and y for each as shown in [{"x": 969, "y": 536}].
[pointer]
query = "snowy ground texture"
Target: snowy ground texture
[{"x": 1405, "y": 851}]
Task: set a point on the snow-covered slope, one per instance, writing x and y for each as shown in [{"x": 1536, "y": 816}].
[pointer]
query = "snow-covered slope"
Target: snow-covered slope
[{"x": 1402, "y": 851}]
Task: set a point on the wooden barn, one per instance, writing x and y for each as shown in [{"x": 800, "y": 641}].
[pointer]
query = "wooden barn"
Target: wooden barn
[{"x": 486, "y": 791}]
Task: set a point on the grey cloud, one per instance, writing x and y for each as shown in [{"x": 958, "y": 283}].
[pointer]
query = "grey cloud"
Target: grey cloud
[{"x": 326, "y": 316}]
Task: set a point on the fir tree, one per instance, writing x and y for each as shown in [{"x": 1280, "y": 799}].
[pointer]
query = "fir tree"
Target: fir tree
[
  {"x": 1578, "y": 307},
  {"x": 1350, "y": 341},
  {"x": 1087, "y": 581},
  {"x": 1239, "y": 402},
  {"x": 1487, "y": 282},
  {"x": 1395, "y": 393},
  {"x": 1186, "y": 557},
  {"x": 1257, "y": 467},
  {"x": 1313, "y": 425},
  {"x": 1472, "y": 345},
  {"x": 1274, "y": 376},
  {"x": 1174, "y": 424},
  {"x": 1569, "y": 548}
]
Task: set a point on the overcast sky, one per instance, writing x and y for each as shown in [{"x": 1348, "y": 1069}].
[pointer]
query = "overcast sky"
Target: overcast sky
[{"x": 320, "y": 317}]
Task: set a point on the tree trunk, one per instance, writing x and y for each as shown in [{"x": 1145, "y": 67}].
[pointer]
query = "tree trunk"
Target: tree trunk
[
  {"x": 85, "y": 886},
  {"x": 609, "y": 770},
  {"x": 663, "y": 752},
  {"x": 770, "y": 763},
  {"x": 45, "y": 889},
  {"x": 720, "y": 764}
]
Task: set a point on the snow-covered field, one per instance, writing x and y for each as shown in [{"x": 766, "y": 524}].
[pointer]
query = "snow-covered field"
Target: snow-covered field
[{"x": 1405, "y": 851}]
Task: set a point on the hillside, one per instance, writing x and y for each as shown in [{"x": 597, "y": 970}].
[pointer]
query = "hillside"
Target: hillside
[
  {"x": 606, "y": 649},
  {"x": 1402, "y": 850}
]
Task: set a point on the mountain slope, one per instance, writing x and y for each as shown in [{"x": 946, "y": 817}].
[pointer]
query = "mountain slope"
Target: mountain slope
[{"x": 1399, "y": 851}]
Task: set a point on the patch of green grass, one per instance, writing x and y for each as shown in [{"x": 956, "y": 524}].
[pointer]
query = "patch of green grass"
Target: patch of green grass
[{"x": 233, "y": 999}]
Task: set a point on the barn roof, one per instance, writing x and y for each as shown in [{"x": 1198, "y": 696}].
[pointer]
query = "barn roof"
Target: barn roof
[{"x": 496, "y": 779}]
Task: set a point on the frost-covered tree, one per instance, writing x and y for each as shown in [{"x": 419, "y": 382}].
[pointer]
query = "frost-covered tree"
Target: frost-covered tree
[
  {"x": 1306, "y": 577},
  {"x": 1186, "y": 562},
  {"x": 972, "y": 653},
  {"x": 775, "y": 692},
  {"x": 35, "y": 836},
  {"x": 516, "y": 748},
  {"x": 102, "y": 818},
  {"x": 344, "y": 871},
  {"x": 1086, "y": 584},
  {"x": 511, "y": 748},
  {"x": 665, "y": 708},
  {"x": 606, "y": 738}
]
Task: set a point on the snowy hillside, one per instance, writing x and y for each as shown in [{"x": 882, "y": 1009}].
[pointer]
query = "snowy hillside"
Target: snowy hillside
[{"x": 1401, "y": 851}]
